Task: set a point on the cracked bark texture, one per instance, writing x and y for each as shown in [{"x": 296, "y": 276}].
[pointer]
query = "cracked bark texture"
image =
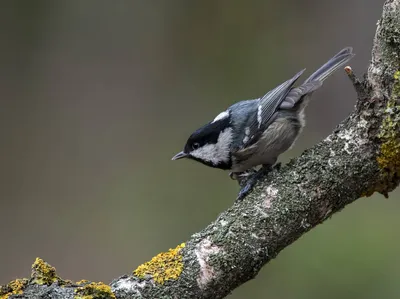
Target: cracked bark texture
[{"x": 360, "y": 157}]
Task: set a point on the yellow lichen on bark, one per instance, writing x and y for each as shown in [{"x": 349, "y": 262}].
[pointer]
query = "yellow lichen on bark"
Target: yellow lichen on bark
[
  {"x": 43, "y": 273},
  {"x": 164, "y": 266},
  {"x": 14, "y": 287},
  {"x": 94, "y": 290}
]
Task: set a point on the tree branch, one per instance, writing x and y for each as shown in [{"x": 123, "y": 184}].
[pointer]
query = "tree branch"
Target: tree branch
[{"x": 360, "y": 157}]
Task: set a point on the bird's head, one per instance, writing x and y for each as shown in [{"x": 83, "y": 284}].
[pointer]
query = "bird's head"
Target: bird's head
[{"x": 210, "y": 144}]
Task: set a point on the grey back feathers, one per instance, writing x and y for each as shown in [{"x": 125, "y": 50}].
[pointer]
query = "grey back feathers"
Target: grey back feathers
[{"x": 266, "y": 108}]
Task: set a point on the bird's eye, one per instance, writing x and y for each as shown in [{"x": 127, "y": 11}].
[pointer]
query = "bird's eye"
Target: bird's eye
[{"x": 195, "y": 145}]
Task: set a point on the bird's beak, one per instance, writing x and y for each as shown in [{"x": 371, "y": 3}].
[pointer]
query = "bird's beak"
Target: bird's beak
[{"x": 179, "y": 155}]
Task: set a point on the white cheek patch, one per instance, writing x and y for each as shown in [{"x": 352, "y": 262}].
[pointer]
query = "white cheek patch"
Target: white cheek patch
[
  {"x": 220, "y": 116},
  {"x": 218, "y": 152}
]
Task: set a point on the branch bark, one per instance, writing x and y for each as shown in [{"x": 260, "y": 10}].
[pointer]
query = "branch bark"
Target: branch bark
[{"x": 360, "y": 157}]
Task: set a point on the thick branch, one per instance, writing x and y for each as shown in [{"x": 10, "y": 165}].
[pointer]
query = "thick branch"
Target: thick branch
[{"x": 360, "y": 157}]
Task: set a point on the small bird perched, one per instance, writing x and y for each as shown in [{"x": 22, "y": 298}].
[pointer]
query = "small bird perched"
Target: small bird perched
[{"x": 255, "y": 132}]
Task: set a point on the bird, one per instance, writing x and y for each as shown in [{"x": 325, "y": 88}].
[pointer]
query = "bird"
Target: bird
[{"x": 253, "y": 133}]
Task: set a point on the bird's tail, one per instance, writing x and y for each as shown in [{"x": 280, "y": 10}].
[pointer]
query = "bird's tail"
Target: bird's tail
[{"x": 332, "y": 65}]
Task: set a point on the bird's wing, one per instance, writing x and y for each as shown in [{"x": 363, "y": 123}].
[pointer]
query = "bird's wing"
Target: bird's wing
[{"x": 266, "y": 108}]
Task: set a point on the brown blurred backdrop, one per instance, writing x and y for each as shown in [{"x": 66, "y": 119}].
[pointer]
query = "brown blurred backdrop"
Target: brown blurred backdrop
[{"x": 96, "y": 97}]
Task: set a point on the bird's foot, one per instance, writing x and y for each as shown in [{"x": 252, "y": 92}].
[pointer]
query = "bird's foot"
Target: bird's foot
[{"x": 248, "y": 184}]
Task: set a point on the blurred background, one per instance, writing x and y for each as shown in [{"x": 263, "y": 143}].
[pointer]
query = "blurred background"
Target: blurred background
[{"x": 97, "y": 96}]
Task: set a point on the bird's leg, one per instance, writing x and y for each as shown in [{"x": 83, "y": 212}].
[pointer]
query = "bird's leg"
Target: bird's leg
[{"x": 248, "y": 185}]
